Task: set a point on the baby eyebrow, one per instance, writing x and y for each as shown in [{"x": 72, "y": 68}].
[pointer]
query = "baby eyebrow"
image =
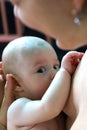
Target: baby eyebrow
[{"x": 57, "y": 61}]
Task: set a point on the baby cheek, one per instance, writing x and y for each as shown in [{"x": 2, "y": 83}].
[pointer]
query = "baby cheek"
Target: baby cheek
[{"x": 46, "y": 82}]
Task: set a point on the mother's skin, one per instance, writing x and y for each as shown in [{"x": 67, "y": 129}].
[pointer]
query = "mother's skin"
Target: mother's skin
[
  {"x": 76, "y": 107},
  {"x": 55, "y": 18},
  {"x": 8, "y": 98}
]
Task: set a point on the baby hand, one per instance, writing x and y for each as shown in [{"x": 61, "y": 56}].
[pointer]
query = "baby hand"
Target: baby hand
[{"x": 71, "y": 60}]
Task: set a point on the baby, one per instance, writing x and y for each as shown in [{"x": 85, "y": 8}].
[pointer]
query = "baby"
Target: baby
[{"x": 42, "y": 88}]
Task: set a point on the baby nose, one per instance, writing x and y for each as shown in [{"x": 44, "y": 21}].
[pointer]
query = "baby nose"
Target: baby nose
[{"x": 53, "y": 73}]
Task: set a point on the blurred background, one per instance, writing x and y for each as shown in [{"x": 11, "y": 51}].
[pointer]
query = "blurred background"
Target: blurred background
[{"x": 11, "y": 27}]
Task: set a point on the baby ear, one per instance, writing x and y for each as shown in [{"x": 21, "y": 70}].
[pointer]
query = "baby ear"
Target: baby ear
[
  {"x": 14, "y": 85},
  {"x": 18, "y": 87},
  {"x": 13, "y": 80}
]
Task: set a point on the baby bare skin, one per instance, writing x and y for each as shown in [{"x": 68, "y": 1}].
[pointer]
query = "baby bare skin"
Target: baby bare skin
[
  {"x": 57, "y": 123},
  {"x": 54, "y": 124}
]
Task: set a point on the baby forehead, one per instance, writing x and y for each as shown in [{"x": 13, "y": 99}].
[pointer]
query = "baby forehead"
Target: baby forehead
[
  {"x": 37, "y": 51},
  {"x": 39, "y": 56}
]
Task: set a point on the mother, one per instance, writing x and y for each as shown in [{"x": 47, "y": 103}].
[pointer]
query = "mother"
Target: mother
[{"x": 66, "y": 21}]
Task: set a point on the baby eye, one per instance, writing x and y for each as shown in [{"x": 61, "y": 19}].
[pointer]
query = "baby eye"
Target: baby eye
[
  {"x": 41, "y": 70},
  {"x": 56, "y": 67}
]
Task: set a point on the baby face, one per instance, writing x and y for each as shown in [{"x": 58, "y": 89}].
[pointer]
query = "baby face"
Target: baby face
[{"x": 37, "y": 71}]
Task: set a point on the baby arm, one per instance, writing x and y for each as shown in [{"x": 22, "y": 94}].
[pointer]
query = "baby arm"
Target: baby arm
[
  {"x": 57, "y": 93},
  {"x": 52, "y": 101}
]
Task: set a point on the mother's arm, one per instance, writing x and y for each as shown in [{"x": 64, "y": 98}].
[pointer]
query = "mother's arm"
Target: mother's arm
[
  {"x": 2, "y": 127},
  {"x": 7, "y": 97}
]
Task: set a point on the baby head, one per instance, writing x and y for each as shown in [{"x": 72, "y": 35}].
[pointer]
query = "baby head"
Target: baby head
[{"x": 33, "y": 63}]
